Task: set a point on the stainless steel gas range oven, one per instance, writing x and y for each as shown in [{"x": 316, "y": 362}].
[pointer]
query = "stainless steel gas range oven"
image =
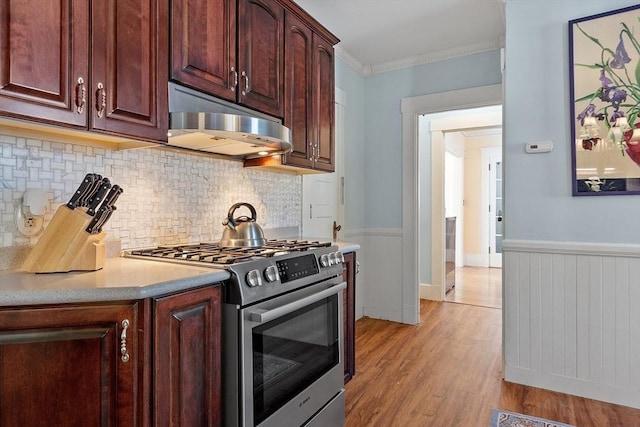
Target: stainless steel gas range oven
[{"x": 282, "y": 331}]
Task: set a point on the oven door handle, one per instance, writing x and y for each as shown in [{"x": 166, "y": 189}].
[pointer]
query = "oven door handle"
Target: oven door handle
[{"x": 264, "y": 316}]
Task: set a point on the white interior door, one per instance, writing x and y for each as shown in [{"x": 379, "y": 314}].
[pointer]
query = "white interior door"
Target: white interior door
[
  {"x": 323, "y": 194},
  {"x": 495, "y": 217}
]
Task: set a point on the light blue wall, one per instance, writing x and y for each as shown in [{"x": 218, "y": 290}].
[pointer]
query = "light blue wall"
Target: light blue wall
[
  {"x": 538, "y": 200},
  {"x": 383, "y": 123}
]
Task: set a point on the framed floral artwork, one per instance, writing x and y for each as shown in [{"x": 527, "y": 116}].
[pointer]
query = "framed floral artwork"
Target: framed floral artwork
[{"x": 604, "y": 52}]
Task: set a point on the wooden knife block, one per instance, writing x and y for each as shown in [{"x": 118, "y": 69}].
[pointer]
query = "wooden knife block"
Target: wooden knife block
[{"x": 65, "y": 245}]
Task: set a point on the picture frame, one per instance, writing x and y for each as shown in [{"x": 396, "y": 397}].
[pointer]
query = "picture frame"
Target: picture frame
[{"x": 604, "y": 54}]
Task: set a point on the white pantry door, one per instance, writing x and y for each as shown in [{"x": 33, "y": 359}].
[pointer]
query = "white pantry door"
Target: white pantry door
[
  {"x": 323, "y": 194},
  {"x": 495, "y": 218}
]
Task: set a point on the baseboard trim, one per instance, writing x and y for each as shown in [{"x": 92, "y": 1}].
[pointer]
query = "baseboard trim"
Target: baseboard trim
[
  {"x": 430, "y": 292},
  {"x": 574, "y": 386}
]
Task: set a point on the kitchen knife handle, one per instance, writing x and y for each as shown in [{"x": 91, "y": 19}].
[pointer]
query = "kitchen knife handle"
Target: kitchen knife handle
[
  {"x": 113, "y": 195},
  {"x": 99, "y": 196},
  {"x": 84, "y": 186}
]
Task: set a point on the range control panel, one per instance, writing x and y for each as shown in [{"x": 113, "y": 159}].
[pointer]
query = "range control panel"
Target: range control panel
[{"x": 297, "y": 268}]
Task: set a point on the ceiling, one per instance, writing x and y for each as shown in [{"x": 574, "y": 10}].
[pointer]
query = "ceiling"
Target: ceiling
[{"x": 382, "y": 35}]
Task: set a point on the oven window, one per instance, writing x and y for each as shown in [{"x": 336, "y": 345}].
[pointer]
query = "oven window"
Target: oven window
[{"x": 291, "y": 352}]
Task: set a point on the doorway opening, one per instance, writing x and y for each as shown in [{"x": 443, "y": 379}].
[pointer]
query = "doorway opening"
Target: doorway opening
[
  {"x": 423, "y": 235},
  {"x": 465, "y": 195},
  {"x": 473, "y": 215}
]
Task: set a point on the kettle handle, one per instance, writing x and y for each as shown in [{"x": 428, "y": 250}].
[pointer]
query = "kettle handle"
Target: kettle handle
[{"x": 232, "y": 210}]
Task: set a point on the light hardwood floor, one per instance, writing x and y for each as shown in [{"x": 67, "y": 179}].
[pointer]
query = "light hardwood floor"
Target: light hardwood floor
[
  {"x": 477, "y": 286},
  {"x": 446, "y": 372}
]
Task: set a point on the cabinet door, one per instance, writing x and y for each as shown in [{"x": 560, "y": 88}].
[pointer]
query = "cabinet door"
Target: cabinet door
[
  {"x": 187, "y": 358},
  {"x": 260, "y": 55},
  {"x": 203, "y": 45},
  {"x": 298, "y": 82},
  {"x": 129, "y": 68},
  {"x": 324, "y": 104},
  {"x": 349, "y": 303},
  {"x": 44, "y": 55},
  {"x": 64, "y": 366}
]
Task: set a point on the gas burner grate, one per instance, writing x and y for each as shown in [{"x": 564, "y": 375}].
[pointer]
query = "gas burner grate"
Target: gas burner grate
[{"x": 213, "y": 253}]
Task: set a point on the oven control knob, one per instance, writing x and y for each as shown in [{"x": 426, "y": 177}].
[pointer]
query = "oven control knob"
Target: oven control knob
[
  {"x": 271, "y": 274},
  {"x": 333, "y": 258},
  {"x": 254, "y": 279},
  {"x": 324, "y": 260}
]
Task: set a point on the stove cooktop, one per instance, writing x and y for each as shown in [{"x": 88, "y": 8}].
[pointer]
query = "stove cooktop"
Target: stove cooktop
[{"x": 214, "y": 254}]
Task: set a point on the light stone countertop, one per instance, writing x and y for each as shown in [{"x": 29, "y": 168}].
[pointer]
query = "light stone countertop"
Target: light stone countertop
[{"x": 120, "y": 279}]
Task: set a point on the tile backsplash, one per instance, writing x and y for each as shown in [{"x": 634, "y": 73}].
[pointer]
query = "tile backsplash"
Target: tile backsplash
[{"x": 169, "y": 197}]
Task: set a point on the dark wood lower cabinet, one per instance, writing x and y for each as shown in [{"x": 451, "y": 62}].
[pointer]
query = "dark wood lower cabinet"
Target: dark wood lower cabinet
[
  {"x": 70, "y": 366},
  {"x": 187, "y": 380},
  {"x": 79, "y": 365},
  {"x": 349, "y": 314}
]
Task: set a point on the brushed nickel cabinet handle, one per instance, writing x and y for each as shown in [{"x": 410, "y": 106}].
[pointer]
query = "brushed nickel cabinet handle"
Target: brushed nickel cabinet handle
[
  {"x": 313, "y": 151},
  {"x": 81, "y": 95},
  {"x": 101, "y": 99},
  {"x": 123, "y": 341},
  {"x": 235, "y": 79},
  {"x": 247, "y": 89}
]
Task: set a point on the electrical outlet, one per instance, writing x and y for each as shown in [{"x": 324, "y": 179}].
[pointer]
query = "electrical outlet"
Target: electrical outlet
[{"x": 29, "y": 222}]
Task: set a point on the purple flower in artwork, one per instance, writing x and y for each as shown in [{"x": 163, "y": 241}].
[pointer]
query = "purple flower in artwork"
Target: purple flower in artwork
[
  {"x": 616, "y": 115},
  {"x": 606, "y": 82},
  {"x": 589, "y": 111},
  {"x": 613, "y": 95},
  {"x": 610, "y": 93},
  {"x": 621, "y": 56}
]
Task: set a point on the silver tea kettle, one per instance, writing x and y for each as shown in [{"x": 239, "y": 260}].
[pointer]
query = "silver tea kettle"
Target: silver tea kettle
[{"x": 242, "y": 231}]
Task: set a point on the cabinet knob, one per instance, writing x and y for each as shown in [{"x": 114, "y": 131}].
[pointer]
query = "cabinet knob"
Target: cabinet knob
[
  {"x": 81, "y": 95},
  {"x": 101, "y": 100},
  {"x": 123, "y": 341}
]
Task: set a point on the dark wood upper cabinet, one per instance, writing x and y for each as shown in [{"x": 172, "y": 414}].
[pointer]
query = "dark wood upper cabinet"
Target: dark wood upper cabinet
[
  {"x": 298, "y": 80},
  {"x": 203, "y": 46},
  {"x": 261, "y": 55},
  {"x": 309, "y": 97},
  {"x": 98, "y": 66},
  {"x": 323, "y": 108},
  {"x": 129, "y": 65},
  {"x": 71, "y": 366},
  {"x": 45, "y": 60},
  {"x": 204, "y": 37}
]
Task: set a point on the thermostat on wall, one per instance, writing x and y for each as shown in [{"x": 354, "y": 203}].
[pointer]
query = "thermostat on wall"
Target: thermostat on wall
[{"x": 538, "y": 147}]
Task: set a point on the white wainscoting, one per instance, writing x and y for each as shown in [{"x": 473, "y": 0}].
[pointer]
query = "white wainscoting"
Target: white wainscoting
[
  {"x": 572, "y": 318},
  {"x": 379, "y": 284}
]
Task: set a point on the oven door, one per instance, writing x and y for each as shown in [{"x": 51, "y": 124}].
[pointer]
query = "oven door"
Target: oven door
[{"x": 292, "y": 355}]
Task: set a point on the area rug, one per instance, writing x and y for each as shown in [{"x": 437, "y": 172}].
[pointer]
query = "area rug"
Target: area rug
[{"x": 500, "y": 418}]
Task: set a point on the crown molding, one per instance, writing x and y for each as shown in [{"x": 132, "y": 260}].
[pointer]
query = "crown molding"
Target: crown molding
[{"x": 366, "y": 71}]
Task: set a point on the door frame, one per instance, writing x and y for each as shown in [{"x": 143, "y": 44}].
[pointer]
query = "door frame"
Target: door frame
[{"x": 411, "y": 108}]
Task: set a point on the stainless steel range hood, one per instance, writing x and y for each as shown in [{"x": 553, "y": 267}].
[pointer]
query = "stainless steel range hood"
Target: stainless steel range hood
[{"x": 203, "y": 123}]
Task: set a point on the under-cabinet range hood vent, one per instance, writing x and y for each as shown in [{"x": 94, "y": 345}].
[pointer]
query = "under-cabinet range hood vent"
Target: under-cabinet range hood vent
[{"x": 203, "y": 123}]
